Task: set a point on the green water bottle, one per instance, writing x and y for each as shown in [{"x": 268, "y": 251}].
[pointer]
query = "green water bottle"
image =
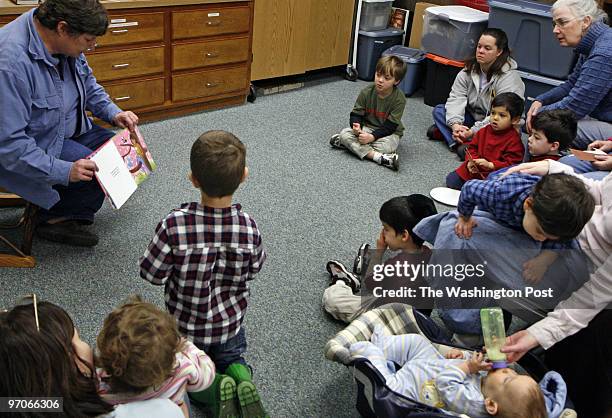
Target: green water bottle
[{"x": 494, "y": 333}]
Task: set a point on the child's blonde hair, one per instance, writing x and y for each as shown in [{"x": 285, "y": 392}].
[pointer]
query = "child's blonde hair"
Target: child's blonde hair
[
  {"x": 391, "y": 65},
  {"x": 137, "y": 346},
  {"x": 529, "y": 403}
]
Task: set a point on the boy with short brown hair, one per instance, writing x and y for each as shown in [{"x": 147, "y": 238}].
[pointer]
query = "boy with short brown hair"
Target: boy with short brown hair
[
  {"x": 205, "y": 253},
  {"x": 376, "y": 118}
]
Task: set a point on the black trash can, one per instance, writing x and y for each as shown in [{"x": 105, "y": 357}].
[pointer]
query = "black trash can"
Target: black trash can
[
  {"x": 371, "y": 45},
  {"x": 441, "y": 73}
]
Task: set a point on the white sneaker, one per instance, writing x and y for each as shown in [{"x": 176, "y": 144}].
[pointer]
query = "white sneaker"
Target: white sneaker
[
  {"x": 334, "y": 141},
  {"x": 390, "y": 161}
]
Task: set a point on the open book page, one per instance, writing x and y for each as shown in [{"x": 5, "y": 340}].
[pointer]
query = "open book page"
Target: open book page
[
  {"x": 587, "y": 155},
  {"x": 135, "y": 154},
  {"x": 113, "y": 175}
]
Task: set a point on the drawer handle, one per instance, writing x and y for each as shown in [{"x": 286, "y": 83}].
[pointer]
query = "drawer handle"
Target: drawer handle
[
  {"x": 122, "y": 99},
  {"x": 213, "y": 84},
  {"x": 215, "y": 23},
  {"x": 119, "y": 31},
  {"x": 119, "y": 66},
  {"x": 212, "y": 55}
]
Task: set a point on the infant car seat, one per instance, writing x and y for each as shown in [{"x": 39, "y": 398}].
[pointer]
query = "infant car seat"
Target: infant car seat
[{"x": 374, "y": 397}]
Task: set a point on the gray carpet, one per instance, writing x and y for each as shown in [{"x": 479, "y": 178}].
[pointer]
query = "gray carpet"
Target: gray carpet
[{"x": 311, "y": 202}]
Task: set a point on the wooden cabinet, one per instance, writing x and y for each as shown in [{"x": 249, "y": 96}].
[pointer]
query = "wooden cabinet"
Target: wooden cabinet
[
  {"x": 295, "y": 36},
  {"x": 117, "y": 65},
  {"x": 168, "y": 59}
]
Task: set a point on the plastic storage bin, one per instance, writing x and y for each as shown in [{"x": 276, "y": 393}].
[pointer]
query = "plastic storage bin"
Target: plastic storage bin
[
  {"x": 453, "y": 31},
  {"x": 441, "y": 73},
  {"x": 375, "y": 14},
  {"x": 535, "y": 85},
  {"x": 414, "y": 67},
  {"x": 370, "y": 46},
  {"x": 475, "y": 4},
  {"x": 528, "y": 25}
]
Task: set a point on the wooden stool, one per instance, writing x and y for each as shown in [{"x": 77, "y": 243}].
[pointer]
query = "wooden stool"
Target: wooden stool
[{"x": 21, "y": 256}]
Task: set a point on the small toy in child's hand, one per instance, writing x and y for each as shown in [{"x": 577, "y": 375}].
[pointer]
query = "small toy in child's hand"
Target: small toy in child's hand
[
  {"x": 587, "y": 155},
  {"x": 474, "y": 164}
]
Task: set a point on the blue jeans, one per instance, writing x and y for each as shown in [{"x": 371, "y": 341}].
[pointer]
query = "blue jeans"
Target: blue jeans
[
  {"x": 439, "y": 117},
  {"x": 228, "y": 352},
  {"x": 583, "y": 167},
  {"x": 80, "y": 200},
  {"x": 453, "y": 181}
]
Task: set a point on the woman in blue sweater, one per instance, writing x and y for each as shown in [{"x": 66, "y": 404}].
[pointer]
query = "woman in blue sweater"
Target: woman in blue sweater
[{"x": 588, "y": 91}]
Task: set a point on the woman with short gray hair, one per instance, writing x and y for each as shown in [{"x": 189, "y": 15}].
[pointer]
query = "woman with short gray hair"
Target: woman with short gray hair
[{"x": 581, "y": 24}]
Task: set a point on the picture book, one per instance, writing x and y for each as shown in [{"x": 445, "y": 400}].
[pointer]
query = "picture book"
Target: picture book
[
  {"x": 124, "y": 161},
  {"x": 587, "y": 155}
]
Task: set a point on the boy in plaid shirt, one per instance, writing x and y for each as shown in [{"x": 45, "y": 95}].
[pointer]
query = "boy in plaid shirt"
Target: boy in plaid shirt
[
  {"x": 204, "y": 253},
  {"x": 552, "y": 209}
]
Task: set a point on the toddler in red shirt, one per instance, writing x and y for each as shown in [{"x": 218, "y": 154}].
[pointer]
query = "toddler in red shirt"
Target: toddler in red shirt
[{"x": 495, "y": 146}]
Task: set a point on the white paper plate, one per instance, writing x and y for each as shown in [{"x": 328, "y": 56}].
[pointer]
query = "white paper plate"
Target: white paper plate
[{"x": 446, "y": 196}]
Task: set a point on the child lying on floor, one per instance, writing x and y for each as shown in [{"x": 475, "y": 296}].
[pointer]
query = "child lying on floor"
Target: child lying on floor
[{"x": 456, "y": 383}]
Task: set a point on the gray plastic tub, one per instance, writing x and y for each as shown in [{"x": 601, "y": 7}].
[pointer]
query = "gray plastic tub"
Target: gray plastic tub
[
  {"x": 535, "y": 85},
  {"x": 414, "y": 59},
  {"x": 370, "y": 46},
  {"x": 528, "y": 25},
  {"x": 375, "y": 14}
]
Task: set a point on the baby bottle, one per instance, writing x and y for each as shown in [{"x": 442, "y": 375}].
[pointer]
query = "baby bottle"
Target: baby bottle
[{"x": 494, "y": 333}]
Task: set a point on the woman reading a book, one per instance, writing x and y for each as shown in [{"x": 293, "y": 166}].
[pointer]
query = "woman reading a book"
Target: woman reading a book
[
  {"x": 45, "y": 134},
  {"x": 490, "y": 72}
]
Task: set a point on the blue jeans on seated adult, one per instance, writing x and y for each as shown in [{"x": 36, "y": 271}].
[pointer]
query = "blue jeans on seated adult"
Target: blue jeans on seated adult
[
  {"x": 228, "y": 352},
  {"x": 81, "y": 200},
  {"x": 439, "y": 117},
  {"x": 584, "y": 168}
]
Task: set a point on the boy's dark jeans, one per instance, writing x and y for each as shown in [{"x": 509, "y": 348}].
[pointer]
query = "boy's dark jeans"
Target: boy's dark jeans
[{"x": 228, "y": 352}]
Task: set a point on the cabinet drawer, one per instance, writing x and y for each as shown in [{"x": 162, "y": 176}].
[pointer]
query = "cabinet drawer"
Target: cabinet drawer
[
  {"x": 132, "y": 28},
  {"x": 128, "y": 63},
  {"x": 208, "y": 53},
  {"x": 213, "y": 21},
  {"x": 137, "y": 94},
  {"x": 208, "y": 83}
]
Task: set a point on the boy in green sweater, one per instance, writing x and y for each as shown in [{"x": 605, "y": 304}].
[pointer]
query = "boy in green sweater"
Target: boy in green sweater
[{"x": 376, "y": 118}]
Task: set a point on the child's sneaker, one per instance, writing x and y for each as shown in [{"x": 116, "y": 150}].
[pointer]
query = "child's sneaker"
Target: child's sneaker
[
  {"x": 250, "y": 401},
  {"x": 361, "y": 263},
  {"x": 338, "y": 271},
  {"x": 220, "y": 399},
  {"x": 390, "y": 161},
  {"x": 334, "y": 141}
]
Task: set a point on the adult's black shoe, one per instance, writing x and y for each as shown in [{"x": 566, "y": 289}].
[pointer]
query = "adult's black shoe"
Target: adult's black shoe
[
  {"x": 434, "y": 133},
  {"x": 69, "y": 233}
]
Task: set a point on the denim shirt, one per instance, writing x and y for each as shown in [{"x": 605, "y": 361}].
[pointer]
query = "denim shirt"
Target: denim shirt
[{"x": 32, "y": 120}]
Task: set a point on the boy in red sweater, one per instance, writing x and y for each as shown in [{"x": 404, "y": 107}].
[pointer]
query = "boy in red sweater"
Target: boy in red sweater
[{"x": 495, "y": 146}]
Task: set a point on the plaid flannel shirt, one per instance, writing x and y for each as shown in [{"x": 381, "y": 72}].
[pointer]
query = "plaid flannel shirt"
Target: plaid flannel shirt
[
  {"x": 205, "y": 256},
  {"x": 504, "y": 198}
]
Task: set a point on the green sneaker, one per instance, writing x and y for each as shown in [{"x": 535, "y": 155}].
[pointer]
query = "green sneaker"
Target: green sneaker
[
  {"x": 250, "y": 401},
  {"x": 219, "y": 399},
  {"x": 239, "y": 372}
]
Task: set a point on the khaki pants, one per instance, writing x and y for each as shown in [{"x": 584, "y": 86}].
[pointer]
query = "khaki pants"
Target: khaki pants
[
  {"x": 384, "y": 145},
  {"x": 340, "y": 302}
]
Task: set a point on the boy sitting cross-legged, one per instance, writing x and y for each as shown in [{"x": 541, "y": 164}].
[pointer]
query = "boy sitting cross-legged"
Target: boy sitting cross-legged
[
  {"x": 204, "y": 253},
  {"x": 552, "y": 209},
  {"x": 496, "y": 146},
  {"x": 552, "y": 131},
  {"x": 376, "y": 118}
]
